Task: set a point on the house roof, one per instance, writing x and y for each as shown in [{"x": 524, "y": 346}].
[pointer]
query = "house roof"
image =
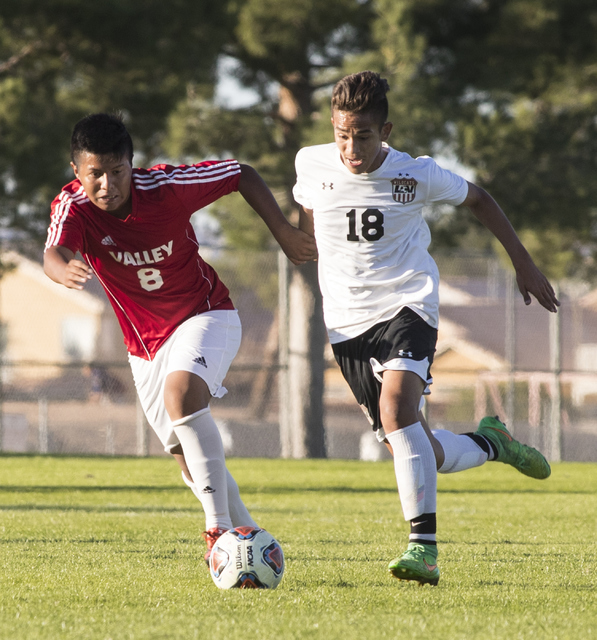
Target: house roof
[
  {"x": 476, "y": 323},
  {"x": 88, "y": 298}
]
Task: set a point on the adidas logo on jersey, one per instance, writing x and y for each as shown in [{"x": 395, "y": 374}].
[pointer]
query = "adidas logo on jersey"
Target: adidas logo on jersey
[
  {"x": 200, "y": 360},
  {"x": 108, "y": 241},
  {"x": 208, "y": 489}
]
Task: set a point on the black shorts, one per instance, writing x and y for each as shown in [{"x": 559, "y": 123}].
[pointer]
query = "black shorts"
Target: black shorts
[{"x": 404, "y": 343}]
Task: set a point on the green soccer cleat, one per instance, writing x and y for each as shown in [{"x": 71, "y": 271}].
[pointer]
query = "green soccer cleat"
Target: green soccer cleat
[
  {"x": 418, "y": 563},
  {"x": 509, "y": 451}
]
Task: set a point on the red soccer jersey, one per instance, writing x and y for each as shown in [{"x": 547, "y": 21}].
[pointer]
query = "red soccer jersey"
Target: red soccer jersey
[{"x": 149, "y": 263}]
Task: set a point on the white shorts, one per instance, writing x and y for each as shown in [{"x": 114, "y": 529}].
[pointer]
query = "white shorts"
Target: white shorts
[{"x": 205, "y": 345}]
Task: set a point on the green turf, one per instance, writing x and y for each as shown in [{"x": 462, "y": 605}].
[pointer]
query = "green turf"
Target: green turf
[{"x": 98, "y": 548}]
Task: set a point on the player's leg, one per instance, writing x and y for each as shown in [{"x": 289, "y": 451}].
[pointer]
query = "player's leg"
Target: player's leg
[
  {"x": 491, "y": 441},
  {"x": 194, "y": 361},
  {"x": 510, "y": 451},
  {"x": 457, "y": 452},
  {"x": 435, "y": 444},
  {"x": 416, "y": 475},
  {"x": 186, "y": 398},
  {"x": 239, "y": 514},
  {"x": 202, "y": 351},
  {"x": 454, "y": 452},
  {"x": 150, "y": 378},
  {"x": 414, "y": 459},
  {"x": 387, "y": 368}
]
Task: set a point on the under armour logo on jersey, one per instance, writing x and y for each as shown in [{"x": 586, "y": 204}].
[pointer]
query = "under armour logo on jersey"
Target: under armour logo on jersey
[
  {"x": 328, "y": 185},
  {"x": 405, "y": 354},
  {"x": 108, "y": 241},
  {"x": 208, "y": 489},
  {"x": 200, "y": 360}
]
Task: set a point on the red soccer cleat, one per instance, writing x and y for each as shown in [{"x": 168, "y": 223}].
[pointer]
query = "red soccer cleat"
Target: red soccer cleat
[{"x": 210, "y": 536}]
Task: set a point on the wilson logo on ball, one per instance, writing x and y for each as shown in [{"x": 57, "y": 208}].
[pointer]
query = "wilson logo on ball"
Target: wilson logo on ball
[{"x": 246, "y": 558}]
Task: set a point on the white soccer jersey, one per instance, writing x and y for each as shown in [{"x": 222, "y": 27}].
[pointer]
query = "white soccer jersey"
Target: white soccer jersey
[{"x": 371, "y": 235}]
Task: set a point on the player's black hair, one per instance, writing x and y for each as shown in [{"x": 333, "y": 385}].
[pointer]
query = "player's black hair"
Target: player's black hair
[
  {"x": 362, "y": 92},
  {"x": 102, "y": 134}
]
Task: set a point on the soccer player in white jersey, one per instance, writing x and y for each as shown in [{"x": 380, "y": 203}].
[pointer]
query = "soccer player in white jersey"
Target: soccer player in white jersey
[
  {"x": 132, "y": 227},
  {"x": 362, "y": 200}
]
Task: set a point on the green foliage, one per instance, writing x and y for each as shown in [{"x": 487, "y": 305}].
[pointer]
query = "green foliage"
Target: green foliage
[
  {"x": 198, "y": 129},
  {"x": 510, "y": 88},
  {"x": 275, "y": 42},
  {"x": 64, "y": 59},
  {"x": 287, "y": 41},
  {"x": 398, "y": 54},
  {"x": 552, "y": 250},
  {"x": 110, "y": 548}
]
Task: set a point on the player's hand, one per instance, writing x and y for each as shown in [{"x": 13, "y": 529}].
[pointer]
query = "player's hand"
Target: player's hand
[
  {"x": 299, "y": 246},
  {"x": 76, "y": 274},
  {"x": 531, "y": 280}
]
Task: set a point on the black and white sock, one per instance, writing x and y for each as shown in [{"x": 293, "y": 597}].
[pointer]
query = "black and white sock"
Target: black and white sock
[
  {"x": 423, "y": 529},
  {"x": 461, "y": 451}
]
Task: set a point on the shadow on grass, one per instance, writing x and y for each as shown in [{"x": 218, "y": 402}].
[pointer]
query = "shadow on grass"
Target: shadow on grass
[
  {"x": 273, "y": 489},
  {"x": 96, "y": 509},
  {"x": 278, "y": 490},
  {"x": 88, "y": 489}
]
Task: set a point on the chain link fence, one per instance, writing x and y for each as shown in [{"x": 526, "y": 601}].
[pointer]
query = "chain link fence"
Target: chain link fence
[{"x": 538, "y": 371}]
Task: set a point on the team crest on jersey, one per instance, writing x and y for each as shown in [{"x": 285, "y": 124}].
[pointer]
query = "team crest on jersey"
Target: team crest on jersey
[{"x": 404, "y": 189}]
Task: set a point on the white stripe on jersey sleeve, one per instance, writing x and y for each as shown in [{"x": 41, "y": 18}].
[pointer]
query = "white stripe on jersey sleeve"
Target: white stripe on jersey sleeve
[
  {"x": 192, "y": 170},
  {"x": 61, "y": 213},
  {"x": 190, "y": 175}
]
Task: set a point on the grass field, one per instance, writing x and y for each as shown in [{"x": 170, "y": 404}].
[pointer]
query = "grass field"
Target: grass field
[{"x": 98, "y": 548}]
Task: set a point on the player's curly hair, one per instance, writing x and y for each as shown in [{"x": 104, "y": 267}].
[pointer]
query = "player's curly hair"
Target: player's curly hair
[
  {"x": 101, "y": 134},
  {"x": 362, "y": 92}
]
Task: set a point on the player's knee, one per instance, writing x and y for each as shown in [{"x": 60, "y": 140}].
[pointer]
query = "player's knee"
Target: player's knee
[
  {"x": 185, "y": 394},
  {"x": 397, "y": 414}
]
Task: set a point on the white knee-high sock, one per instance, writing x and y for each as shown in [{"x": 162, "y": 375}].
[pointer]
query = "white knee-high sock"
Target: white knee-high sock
[
  {"x": 460, "y": 451},
  {"x": 204, "y": 455},
  {"x": 239, "y": 514},
  {"x": 415, "y": 469}
]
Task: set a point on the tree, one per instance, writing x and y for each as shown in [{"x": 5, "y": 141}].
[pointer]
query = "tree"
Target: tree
[
  {"x": 60, "y": 60},
  {"x": 510, "y": 88}
]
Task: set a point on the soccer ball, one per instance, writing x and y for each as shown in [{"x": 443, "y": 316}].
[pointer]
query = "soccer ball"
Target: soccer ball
[{"x": 246, "y": 558}]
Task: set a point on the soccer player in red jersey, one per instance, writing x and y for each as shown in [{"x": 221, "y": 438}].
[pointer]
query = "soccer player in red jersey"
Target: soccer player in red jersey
[{"x": 132, "y": 227}]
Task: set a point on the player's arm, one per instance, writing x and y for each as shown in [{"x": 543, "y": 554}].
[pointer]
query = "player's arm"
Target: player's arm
[
  {"x": 296, "y": 244},
  {"x": 61, "y": 266},
  {"x": 528, "y": 277},
  {"x": 306, "y": 223}
]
